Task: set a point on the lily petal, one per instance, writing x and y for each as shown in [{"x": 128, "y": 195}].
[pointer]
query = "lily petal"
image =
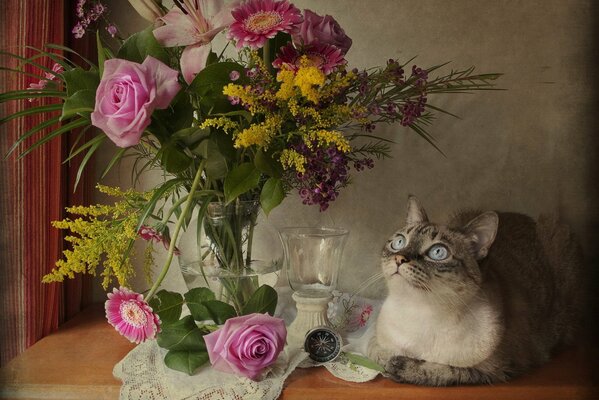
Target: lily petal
[
  {"x": 178, "y": 30},
  {"x": 193, "y": 60}
]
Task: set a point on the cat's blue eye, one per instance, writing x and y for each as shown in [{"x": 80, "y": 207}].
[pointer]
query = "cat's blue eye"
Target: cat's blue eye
[
  {"x": 438, "y": 252},
  {"x": 398, "y": 243}
]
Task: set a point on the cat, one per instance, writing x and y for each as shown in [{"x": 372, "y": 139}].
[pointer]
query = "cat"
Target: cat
[{"x": 479, "y": 300}]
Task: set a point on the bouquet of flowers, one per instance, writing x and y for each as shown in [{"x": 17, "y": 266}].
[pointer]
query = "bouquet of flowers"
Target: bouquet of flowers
[{"x": 282, "y": 112}]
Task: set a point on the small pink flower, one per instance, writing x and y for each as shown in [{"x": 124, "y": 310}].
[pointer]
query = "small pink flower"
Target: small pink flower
[
  {"x": 78, "y": 31},
  {"x": 234, "y": 75},
  {"x": 364, "y": 315},
  {"x": 323, "y": 56},
  {"x": 56, "y": 70},
  {"x": 150, "y": 234},
  {"x": 246, "y": 345},
  {"x": 131, "y": 316},
  {"x": 38, "y": 86},
  {"x": 112, "y": 30},
  {"x": 256, "y": 21}
]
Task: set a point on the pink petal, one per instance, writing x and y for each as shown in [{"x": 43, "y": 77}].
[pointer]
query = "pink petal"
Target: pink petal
[
  {"x": 178, "y": 30},
  {"x": 193, "y": 60},
  {"x": 166, "y": 80}
]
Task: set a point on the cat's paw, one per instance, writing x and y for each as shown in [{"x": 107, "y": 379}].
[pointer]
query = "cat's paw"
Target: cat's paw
[{"x": 404, "y": 369}]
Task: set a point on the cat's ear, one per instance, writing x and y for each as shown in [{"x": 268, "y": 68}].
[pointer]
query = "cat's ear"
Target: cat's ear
[
  {"x": 416, "y": 213},
  {"x": 483, "y": 230}
]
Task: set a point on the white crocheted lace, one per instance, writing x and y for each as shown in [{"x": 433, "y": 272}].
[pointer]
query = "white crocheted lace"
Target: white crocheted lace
[{"x": 145, "y": 377}]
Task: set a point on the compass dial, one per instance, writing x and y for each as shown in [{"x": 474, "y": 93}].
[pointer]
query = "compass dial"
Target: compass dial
[{"x": 322, "y": 344}]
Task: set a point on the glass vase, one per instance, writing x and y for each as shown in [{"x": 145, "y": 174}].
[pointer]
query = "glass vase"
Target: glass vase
[{"x": 217, "y": 252}]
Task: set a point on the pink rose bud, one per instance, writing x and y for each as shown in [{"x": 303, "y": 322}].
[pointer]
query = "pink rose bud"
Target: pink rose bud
[
  {"x": 321, "y": 30},
  {"x": 246, "y": 345},
  {"x": 127, "y": 96}
]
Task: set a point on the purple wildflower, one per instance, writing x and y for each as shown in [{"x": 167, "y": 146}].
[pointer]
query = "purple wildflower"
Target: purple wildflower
[
  {"x": 234, "y": 75},
  {"x": 112, "y": 30}
]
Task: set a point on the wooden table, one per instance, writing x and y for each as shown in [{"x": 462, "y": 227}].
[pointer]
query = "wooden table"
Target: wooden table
[{"x": 76, "y": 363}]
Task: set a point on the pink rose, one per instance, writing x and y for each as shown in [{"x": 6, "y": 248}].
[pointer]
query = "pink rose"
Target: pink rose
[
  {"x": 325, "y": 30},
  {"x": 128, "y": 94},
  {"x": 246, "y": 345}
]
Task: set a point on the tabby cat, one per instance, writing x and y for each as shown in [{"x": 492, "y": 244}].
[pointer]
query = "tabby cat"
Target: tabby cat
[{"x": 479, "y": 300}]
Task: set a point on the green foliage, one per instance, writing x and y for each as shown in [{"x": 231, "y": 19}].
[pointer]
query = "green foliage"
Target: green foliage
[
  {"x": 363, "y": 361},
  {"x": 264, "y": 300},
  {"x": 78, "y": 79},
  {"x": 272, "y": 194},
  {"x": 186, "y": 361},
  {"x": 167, "y": 305},
  {"x": 80, "y": 103},
  {"x": 240, "y": 180},
  {"x": 208, "y": 86},
  {"x": 140, "y": 45},
  {"x": 183, "y": 337}
]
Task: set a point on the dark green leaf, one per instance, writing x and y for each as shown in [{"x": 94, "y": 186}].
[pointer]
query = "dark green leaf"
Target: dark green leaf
[
  {"x": 140, "y": 45},
  {"x": 65, "y": 128},
  {"x": 272, "y": 194},
  {"x": 81, "y": 103},
  {"x": 84, "y": 162},
  {"x": 264, "y": 300},
  {"x": 186, "y": 361},
  {"x": 181, "y": 335},
  {"x": 117, "y": 157},
  {"x": 167, "y": 305},
  {"x": 219, "y": 311},
  {"x": 101, "y": 54},
  {"x": 173, "y": 159},
  {"x": 209, "y": 84},
  {"x": 240, "y": 180},
  {"x": 191, "y": 136},
  {"x": 216, "y": 165},
  {"x": 267, "y": 165},
  {"x": 212, "y": 58},
  {"x": 77, "y": 79},
  {"x": 195, "y": 300}
]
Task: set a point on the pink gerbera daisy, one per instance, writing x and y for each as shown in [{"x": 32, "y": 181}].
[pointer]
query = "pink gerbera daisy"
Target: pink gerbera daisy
[
  {"x": 131, "y": 316},
  {"x": 256, "y": 21},
  {"x": 323, "y": 56}
]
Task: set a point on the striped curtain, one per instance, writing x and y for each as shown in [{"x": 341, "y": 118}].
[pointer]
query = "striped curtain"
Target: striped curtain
[{"x": 33, "y": 191}]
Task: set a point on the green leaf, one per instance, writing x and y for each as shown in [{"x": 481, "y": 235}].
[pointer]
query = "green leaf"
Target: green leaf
[
  {"x": 267, "y": 165},
  {"x": 264, "y": 300},
  {"x": 209, "y": 84},
  {"x": 186, "y": 361},
  {"x": 191, "y": 136},
  {"x": 195, "y": 300},
  {"x": 77, "y": 79},
  {"x": 212, "y": 58},
  {"x": 173, "y": 159},
  {"x": 181, "y": 335},
  {"x": 140, "y": 45},
  {"x": 216, "y": 164},
  {"x": 81, "y": 103},
  {"x": 219, "y": 311},
  {"x": 30, "y": 111},
  {"x": 168, "y": 305},
  {"x": 101, "y": 54},
  {"x": 272, "y": 194},
  {"x": 363, "y": 361},
  {"x": 243, "y": 178},
  {"x": 179, "y": 114}
]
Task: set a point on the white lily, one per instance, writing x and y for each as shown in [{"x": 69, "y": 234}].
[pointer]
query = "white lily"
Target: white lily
[{"x": 193, "y": 24}]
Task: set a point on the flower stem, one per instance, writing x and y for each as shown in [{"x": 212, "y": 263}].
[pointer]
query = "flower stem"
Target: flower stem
[
  {"x": 171, "y": 248},
  {"x": 266, "y": 55}
]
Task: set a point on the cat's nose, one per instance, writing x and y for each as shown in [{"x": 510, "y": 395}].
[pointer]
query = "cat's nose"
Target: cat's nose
[{"x": 399, "y": 259}]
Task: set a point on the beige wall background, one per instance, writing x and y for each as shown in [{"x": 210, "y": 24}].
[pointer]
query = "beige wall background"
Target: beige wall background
[{"x": 529, "y": 149}]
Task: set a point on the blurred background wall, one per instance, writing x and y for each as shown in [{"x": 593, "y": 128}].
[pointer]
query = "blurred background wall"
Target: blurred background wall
[{"x": 531, "y": 148}]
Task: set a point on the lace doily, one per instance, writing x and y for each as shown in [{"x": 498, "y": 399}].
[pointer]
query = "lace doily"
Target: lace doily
[{"x": 145, "y": 377}]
